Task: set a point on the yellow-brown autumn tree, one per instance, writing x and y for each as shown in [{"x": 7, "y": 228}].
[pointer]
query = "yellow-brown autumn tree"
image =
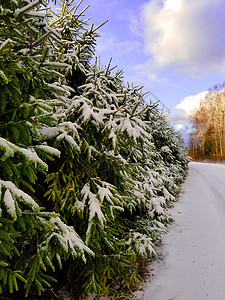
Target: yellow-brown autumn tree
[{"x": 207, "y": 139}]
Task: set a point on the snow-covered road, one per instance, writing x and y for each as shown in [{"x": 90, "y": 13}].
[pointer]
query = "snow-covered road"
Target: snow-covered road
[{"x": 193, "y": 252}]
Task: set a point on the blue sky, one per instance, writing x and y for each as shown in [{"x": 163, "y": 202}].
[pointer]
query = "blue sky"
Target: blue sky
[{"x": 175, "y": 48}]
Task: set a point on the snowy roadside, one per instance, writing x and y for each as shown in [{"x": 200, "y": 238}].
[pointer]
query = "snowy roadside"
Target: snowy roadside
[{"x": 193, "y": 252}]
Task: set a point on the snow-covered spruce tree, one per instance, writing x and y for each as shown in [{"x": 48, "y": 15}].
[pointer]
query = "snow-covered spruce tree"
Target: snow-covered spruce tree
[
  {"x": 170, "y": 145},
  {"x": 83, "y": 190},
  {"x": 112, "y": 182},
  {"x": 160, "y": 172},
  {"x": 31, "y": 239}
]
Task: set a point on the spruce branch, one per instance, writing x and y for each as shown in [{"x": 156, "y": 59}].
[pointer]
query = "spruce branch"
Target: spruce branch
[
  {"x": 44, "y": 57},
  {"x": 99, "y": 26},
  {"x": 5, "y": 44},
  {"x": 76, "y": 6},
  {"x": 135, "y": 107},
  {"x": 119, "y": 109},
  {"x": 26, "y": 8},
  {"x": 107, "y": 70},
  {"x": 24, "y": 23}
]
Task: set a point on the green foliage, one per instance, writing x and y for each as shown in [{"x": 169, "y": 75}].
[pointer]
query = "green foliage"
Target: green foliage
[
  {"x": 32, "y": 240},
  {"x": 88, "y": 169},
  {"x": 208, "y": 148}
]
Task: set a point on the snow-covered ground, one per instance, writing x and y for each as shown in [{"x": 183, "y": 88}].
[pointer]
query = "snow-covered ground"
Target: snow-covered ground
[{"x": 193, "y": 252}]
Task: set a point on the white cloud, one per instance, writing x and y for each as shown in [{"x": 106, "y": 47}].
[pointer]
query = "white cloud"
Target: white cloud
[
  {"x": 181, "y": 117},
  {"x": 188, "y": 104},
  {"x": 188, "y": 35},
  {"x": 133, "y": 21}
]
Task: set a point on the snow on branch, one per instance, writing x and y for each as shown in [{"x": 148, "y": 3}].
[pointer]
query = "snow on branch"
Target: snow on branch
[
  {"x": 142, "y": 243},
  {"x": 157, "y": 209},
  {"x": 10, "y": 149},
  {"x": 68, "y": 239},
  {"x": 13, "y": 194},
  {"x": 48, "y": 150},
  {"x": 94, "y": 208},
  {"x": 10, "y": 204},
  {"x": 93, "y": 202},
  {"x": 26, "y": 8},
  {"x": 5, "y": 44},
  {"x": 67, "y": 131}
]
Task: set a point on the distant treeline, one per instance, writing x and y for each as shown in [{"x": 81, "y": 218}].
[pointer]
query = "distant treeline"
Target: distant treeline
[{"x": 207, "y": 140}]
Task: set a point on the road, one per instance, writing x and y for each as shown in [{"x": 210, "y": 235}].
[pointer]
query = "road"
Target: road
[{"x": 193, "y": 252}]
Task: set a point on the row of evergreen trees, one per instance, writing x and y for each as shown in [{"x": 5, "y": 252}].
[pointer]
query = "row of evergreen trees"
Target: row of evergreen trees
[{"x": 87, "y": 167}]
